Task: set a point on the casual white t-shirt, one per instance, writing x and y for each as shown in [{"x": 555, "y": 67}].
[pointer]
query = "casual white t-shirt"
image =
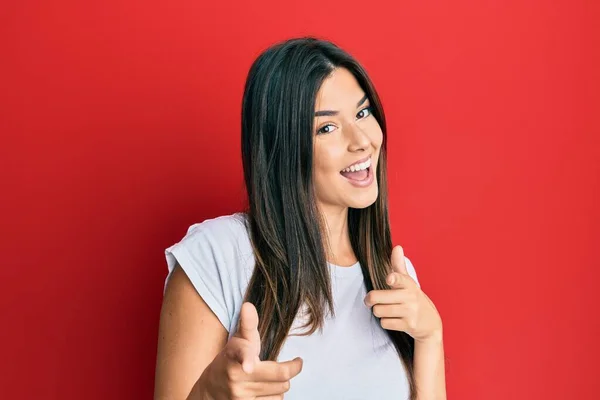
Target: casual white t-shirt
[{"x": 351, "y": 359}]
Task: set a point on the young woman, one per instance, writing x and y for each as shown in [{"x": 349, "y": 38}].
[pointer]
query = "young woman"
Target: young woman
[{"x": 303, "y": 294}]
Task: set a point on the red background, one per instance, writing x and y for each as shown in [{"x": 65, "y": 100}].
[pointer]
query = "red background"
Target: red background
[{"x": 120, "y": 128}]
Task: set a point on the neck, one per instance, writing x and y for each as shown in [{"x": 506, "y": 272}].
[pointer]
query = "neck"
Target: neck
[{"x": 338, "y": 248}]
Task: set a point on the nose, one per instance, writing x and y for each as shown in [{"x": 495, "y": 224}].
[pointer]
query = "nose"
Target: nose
[{"x": 358, "y": 140}]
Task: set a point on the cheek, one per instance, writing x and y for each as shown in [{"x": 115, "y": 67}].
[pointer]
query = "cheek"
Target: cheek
[
  {"x": 376, "y": 135},
  {"x": 326, "y": 160},
  {"x": 324, "y": 178},
  {"x": 380, "y": 138}
]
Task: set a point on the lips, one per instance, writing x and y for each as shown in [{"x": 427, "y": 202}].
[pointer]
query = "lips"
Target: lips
[
  {"x": 356, "y": 163},
  {"x": 360, "y": 179}
]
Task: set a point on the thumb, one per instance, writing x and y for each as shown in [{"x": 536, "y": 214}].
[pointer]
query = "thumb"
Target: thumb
[
  {"x": 248, "y": 326},
  {"x": 397, "y": 260}
]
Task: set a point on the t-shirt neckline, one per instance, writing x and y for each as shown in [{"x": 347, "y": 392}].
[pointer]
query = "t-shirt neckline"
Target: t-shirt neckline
[{"x": 351, "y": 270}]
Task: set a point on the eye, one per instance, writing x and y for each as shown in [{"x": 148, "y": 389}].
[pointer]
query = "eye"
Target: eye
[
  {"x": 326, "y": 129},
  {"x": 364, "y": 113}
]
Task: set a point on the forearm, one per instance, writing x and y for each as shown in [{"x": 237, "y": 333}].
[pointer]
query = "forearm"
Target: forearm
[
  {"x": 197, "y": 392},
  {"x": 429, "y": 369}
]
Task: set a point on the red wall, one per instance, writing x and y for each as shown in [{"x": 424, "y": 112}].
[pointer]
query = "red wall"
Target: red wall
[{"x": 120, "y": 127}]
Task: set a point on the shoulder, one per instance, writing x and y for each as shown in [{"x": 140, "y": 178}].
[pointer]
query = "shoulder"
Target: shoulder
[
  {"x": 226, "y": 228},
  {"x": 223, "y": 235},
  {"x": 222, "y": 241},
  {"x": 216, "y": 255}
]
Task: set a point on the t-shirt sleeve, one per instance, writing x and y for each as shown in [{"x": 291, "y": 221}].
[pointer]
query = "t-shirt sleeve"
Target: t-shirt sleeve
[
  {"x": 411, "y": 270},
  {"x": 203, "y": 255}
]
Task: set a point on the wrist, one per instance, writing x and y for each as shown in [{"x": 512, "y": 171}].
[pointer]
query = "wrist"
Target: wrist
[{"x": 434, "y": 339}]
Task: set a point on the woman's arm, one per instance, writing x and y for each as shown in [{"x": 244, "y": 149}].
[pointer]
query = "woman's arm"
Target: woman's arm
[
  {"x": 190, "y": 336},
  {"x": 430, "y": 375},
  {"x": 405, "y": 308}
]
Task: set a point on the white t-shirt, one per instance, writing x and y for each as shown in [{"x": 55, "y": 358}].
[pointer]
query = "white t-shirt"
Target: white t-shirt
[{"x": 351, "y": 359}]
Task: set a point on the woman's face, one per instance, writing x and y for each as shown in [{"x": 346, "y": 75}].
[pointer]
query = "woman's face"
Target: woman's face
[{"x": 347, "y": 141}]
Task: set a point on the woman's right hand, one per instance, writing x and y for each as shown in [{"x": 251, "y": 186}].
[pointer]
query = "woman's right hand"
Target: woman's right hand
[{"x": 237, "y": 373}]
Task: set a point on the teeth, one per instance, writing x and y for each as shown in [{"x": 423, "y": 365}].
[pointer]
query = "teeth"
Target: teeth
[{"x": 358, "y": 167}]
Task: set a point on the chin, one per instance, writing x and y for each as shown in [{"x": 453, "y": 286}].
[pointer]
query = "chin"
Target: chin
[{"x": 364, "y": 200}]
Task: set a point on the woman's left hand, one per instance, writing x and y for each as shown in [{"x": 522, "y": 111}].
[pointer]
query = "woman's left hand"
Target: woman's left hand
[{"x": 404, "y": 307}]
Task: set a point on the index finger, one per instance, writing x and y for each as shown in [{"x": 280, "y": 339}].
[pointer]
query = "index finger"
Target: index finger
[
  {"x": 272, "y": 371},
  {"x": 385, "y": 296}
]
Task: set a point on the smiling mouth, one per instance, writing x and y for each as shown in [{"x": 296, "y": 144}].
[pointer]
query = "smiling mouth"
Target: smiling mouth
[
  {"x": 357, "y": 166},
  {"x": 361, "y": 175},
  {"x": 358, "y": 171}
]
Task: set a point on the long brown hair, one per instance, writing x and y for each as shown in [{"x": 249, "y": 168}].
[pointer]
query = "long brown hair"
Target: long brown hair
[{"x": 285, "y": 226}]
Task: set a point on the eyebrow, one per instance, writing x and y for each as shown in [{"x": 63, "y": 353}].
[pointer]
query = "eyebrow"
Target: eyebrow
[{"x": 329, "y": 113}]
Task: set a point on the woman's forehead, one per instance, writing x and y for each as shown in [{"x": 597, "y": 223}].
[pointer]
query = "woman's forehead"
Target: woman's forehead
[{"x": 339, "y": 91}]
